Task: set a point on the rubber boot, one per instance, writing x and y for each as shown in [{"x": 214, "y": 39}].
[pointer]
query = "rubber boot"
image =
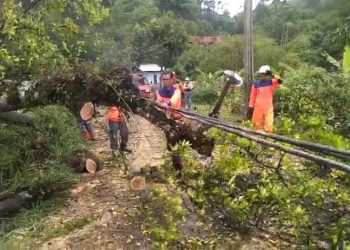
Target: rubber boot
[
  {"x": 92, "y": 136},
  {"x": 85, "y": 135}
]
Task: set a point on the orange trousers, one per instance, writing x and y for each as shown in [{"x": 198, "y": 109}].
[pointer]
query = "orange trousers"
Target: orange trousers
[{"x": 263, "y": 118}]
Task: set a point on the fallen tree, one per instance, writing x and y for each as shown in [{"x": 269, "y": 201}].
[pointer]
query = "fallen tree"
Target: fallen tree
[
  {"x": 17, "y": 118},
  {"x": 75, "y": 86}
]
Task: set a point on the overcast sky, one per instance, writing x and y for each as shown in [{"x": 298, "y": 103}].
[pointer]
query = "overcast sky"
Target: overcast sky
[{"x": 235, "y": 6}]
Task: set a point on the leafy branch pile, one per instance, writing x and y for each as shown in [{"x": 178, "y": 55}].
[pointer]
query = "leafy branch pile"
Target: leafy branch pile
[
  {"x": 256, "y": 187},
  {"x": 161, "y": 213}
]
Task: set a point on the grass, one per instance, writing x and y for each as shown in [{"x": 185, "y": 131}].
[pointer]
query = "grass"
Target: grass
[
  {"x": 32, "y": 231},
  {"x": 67, "y": 227},
  {"x": 35, "y": 159},
  {"x": 29, "y": 222},
  {"x": 225, "y": 112}
]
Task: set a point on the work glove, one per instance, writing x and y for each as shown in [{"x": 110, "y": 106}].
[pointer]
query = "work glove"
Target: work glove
[
  {"x": 279, "y": 79},
  {"x": 250, "y": 113}
]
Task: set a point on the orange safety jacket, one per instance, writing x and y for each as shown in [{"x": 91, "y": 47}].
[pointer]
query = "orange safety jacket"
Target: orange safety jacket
[
  {"x": 261, "y": 95},
  {"x": 170, "y": 96},
  {"x": 114, "y": 114},
  {"x": 180, "y": 86}
]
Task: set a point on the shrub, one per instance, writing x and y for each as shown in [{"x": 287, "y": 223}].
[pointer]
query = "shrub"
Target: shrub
[
  {"x": 253, "y": 186},
  {"x": 35, "y": 157},
  {"x": 313, "y": 91}
]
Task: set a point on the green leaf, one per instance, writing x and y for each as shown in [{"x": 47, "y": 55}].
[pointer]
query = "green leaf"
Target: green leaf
[{"x": 346, "y": 61}]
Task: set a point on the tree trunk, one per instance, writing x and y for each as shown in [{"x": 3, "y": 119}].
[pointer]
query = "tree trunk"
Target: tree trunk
[
  {"x": 177, "y": 130},
  {"x": 17, "y": 118}
]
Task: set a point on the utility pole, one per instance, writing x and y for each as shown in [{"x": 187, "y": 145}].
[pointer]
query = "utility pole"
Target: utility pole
[{"x": 248, "y": 49}]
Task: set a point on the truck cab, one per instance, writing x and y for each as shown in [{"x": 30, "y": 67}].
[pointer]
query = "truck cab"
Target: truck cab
[{"x": 142, "y": 84}]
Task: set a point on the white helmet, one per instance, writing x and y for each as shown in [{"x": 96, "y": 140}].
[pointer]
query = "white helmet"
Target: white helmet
[
  {"x": 264, "y": 69},
  {"x": 187, "y": 79}
]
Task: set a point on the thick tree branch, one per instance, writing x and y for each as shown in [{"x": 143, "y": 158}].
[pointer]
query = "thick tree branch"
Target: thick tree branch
[{"x": 17, "y": 118}]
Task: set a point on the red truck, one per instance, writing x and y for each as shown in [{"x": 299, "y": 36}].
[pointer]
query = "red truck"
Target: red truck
[{"x": 143, "y": 85}]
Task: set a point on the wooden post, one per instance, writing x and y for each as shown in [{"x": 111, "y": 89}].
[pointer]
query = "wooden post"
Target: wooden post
[{"x": 248, "y": 50}]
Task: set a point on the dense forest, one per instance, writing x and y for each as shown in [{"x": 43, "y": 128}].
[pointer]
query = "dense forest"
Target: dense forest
[{"x": 255, "y": 188}]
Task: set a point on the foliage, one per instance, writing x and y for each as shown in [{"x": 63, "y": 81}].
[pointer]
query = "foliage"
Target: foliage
[
  {"x": 67, "y": 227},
  {"x": 162, "y": 211},
  {"x": 29, "y": 222},
  {"x": 161, "y": 40},
  {"x": 43, "y": 34},
  {"x": 304, "y": 88},
  {"x": 226, "y": 55},
  {"x": 280, "y": 20},
  {"x": 311, "y": 128},
  {"x": 321, "y": 25},
  {"x": 254, "y": 186},
  {"x": 35, "y": 158},
  {"x": 229, "y": 54},
  {"x": 346, "y": 62},
  {"x": 189, "y": 9},
  {"x": 224, "y": 24},
  {"x": 58, "y": 130},
  {"x": 190, "y": 60},
  {"x": 208, "y": 87},
  {"x": 129, "y": 35}
]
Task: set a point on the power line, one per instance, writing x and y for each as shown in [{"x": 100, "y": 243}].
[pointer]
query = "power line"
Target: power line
[{"x": 253, "y": 136}]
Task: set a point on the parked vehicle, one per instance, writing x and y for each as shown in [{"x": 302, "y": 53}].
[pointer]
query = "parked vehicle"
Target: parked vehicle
[{"x": 143, "y": 85}]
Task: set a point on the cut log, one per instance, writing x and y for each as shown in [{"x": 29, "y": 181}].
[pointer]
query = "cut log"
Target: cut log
[
  {"x": 90, "y": 166},
  {"x": 83, "y": 161},
  {"x": 138, "y": 183},
  {"x": 87, "y": 111}
]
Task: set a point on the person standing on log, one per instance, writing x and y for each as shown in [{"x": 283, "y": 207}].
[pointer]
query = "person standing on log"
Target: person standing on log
[
  {"x": 261, "y": 99},
  {"x": 117, "y": 122},
  {"x": 188, "y": 87},
  {"x": 169, "y": 94}
]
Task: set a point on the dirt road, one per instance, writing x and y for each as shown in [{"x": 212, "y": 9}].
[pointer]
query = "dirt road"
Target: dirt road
[{"x": 103, "y": 212}]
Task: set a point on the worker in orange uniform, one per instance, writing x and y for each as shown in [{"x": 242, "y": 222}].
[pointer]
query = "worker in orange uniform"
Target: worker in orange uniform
[
  {"x": 117, "y": 122},
  {"x": 169, "y": 94},
  {"x": 261, "y": 99}
]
